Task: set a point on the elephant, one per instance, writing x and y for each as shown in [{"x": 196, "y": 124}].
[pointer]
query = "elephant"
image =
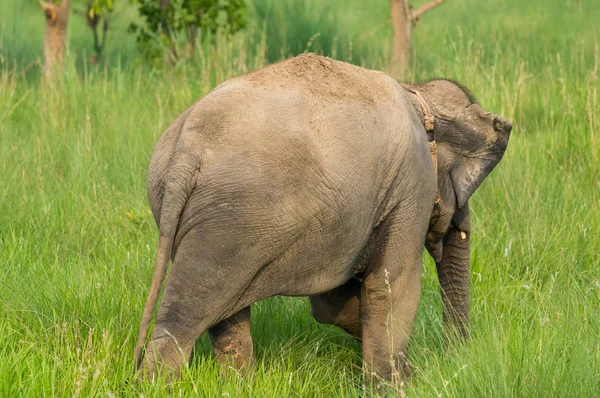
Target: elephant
[{"x": 313, "y": 177}]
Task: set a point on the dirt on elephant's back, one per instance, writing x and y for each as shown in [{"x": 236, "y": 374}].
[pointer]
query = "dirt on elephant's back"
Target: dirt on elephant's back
[{"x": 323, "y": 78}]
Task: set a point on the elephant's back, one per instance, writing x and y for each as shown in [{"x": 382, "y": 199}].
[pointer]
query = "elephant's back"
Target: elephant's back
[{"x": 321, "y": 79}]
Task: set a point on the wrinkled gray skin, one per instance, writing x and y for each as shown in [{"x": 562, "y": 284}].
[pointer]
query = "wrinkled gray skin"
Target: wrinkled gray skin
[{"x": 312, "y": 177}]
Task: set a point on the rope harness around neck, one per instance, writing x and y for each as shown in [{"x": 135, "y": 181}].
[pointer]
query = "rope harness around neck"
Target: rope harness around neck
[{"x": 428, "y": 124}]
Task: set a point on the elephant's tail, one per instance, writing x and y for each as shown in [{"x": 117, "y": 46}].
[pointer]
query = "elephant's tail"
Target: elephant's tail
[{"x": 180, "y": 183}]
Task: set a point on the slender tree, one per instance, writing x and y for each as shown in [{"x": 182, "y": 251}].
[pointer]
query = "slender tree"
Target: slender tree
[
  {"x": 97, "y": 17},
  {"x": 171, "y": 56},
  {"x": 55, "y": 35},
  {"x": 404, "y": 19}
]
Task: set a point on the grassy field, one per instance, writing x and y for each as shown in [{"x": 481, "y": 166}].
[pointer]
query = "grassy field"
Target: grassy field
[{"x": 77, "y": 239}]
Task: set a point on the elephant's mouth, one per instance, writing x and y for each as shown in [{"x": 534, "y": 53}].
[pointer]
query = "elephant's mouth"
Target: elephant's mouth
[{"x": 434, "y": 245}]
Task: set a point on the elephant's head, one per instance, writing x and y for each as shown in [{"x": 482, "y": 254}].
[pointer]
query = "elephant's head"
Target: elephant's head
[{"x": 470, "y": 142}]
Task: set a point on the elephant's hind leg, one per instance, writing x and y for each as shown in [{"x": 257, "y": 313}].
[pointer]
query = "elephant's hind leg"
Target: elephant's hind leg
[
  {"x": 340, "y": 307},
  {"x": 390, "y": 296},
  {"x": 199, "y": 293},
  {"x": 232, "y": 342}
]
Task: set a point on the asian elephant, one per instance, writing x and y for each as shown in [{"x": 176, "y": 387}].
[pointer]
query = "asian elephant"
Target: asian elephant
[{"x": 313, "y": 177}]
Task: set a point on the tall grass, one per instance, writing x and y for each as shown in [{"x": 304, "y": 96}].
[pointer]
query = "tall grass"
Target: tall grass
[{"x": 77, "y": 239}]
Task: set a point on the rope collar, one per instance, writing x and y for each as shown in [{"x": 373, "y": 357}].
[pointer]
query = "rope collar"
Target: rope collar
[
  {"x": 428, "y": 124},
  {"x": 427, "y": 115}
]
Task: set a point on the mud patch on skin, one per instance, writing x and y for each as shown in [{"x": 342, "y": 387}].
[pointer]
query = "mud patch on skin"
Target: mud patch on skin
[
  {"x": 231, "y": 359},
  {"x": 327, "y": 79}
]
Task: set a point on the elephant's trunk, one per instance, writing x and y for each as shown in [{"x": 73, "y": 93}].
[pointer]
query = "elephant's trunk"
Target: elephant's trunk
[{"x": 453, "y": 273}]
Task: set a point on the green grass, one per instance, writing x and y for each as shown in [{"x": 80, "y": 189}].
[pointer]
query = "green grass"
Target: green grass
[{"x": 77, "y": 240}]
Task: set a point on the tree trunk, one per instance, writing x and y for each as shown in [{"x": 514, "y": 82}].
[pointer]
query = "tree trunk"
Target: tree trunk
[
  {"x": 402, "y": 26},
  {"x": 55, "y": 36},
  {"x": 403, "y": 21}
]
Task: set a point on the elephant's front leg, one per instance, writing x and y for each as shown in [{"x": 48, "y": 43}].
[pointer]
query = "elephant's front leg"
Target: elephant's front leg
[
  {"x": 232, "y": 342},
  {"x": 390, "y": 297},
  {"x": 340, "y": 307}
]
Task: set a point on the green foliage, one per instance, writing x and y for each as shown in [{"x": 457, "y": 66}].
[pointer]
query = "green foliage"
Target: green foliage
[
  {"x": 296, "y": 26},
  {"x": 164, "y": 27},
  {"x": 97, "y": 7}
]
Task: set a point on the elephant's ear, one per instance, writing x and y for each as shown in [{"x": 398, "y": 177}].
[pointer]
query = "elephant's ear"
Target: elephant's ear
[{"x": 470, "y": 173}]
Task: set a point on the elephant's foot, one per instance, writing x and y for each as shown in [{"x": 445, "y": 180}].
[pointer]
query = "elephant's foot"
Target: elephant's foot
[
  {"x": 164, "y": 356},
  {"x": 389, "y": 377},
  {"x": 232, "y": 343}
]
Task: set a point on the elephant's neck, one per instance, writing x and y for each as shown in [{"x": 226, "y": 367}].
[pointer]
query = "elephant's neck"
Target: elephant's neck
[
  {"x": 418, "y": 107},
  {"x": 423, "y": 110}
]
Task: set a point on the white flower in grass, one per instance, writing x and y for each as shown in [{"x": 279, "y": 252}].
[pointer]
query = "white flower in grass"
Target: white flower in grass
[{"x": 507, "y": 249}]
